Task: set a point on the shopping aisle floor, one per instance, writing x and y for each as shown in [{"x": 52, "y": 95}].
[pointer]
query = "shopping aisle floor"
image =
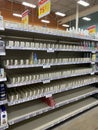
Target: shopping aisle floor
[{"x": 86, "y": 121}]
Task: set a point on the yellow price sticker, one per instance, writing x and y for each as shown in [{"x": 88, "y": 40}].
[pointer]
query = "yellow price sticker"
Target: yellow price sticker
[{"x": 44, "y": 9}]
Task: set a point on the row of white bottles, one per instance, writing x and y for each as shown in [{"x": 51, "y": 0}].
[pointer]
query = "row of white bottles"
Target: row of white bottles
[
  {"x": 39, "y": 89},
  {"x": 48, "y": 75}
]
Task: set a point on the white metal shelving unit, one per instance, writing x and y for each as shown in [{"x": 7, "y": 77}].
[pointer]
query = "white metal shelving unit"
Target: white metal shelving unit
[
  {"x": 44, "y": 66},
  {"x": 52, "y": 118},
  {"x": 20, "y": 113},
  {"x": 3, "y": 79},
  {"x": 70, "y": 100}
]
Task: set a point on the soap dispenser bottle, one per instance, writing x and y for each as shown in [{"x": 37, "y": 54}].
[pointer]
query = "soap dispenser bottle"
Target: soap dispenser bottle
[{"x": 3, "y": 115}]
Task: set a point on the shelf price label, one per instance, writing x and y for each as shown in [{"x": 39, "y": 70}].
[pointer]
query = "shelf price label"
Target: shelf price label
[
  {"x": 43, "y": 8},
  {"x": 92, "y": 73},
  {"x": 92, "y": 62},
  {"x": 46, "y": 81},
  {"x": 50, "y": 50},
  {"x": 48, "y": 95},
  {"x": 46, "y": 66}
]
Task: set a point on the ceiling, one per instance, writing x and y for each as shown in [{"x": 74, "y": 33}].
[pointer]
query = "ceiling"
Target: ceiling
[{"x": 64, "y": 6}]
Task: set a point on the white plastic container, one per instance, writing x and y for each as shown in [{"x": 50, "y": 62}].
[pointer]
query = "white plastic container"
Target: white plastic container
[{"x": 3, "y": 115}]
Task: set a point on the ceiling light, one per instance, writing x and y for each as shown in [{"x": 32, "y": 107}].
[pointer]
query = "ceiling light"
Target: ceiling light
[
  {"x": 45, "y": 21},
  {"x": 17, "y": 15},
  {"x": 65, "y": 25},
  {"x": 60, "y": 14},
  {"x": 84, "y": 3},
  {"x": 86, "y": 18},
  {"x": 28, "y": 5}
]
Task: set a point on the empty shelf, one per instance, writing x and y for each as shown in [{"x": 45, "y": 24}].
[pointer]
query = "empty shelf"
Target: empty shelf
[
  {"x": 30, "y": 109},
  {"x": 54, "y": 117}
]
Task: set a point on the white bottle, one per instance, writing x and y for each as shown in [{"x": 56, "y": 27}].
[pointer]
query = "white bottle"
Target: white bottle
[{"x": 3, "y": 115}]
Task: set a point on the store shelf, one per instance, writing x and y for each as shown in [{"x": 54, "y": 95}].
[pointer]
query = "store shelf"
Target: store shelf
[
  {"x": 96, "y": 71},
  {"x": 43, "y": 65},
  {"x": 4, "y": 127},
  {"x": 2, "y": 79},
  {"x": 50, "y": 50},
  {"x": 44, "y": 81},
  {"x": 11, "y": 103},
  {"x": 2, "y": 53},
  {"x": 3, "y": 102},
  {"x": 71, "y": 95},
  {"x": 21, "y": 113},
  {"x": 34, "y": 34},
  {"x": 52, "y": 118}
]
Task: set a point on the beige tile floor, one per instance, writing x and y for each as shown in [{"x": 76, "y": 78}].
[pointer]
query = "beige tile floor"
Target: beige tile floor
[{"x": 86, "y": 121}]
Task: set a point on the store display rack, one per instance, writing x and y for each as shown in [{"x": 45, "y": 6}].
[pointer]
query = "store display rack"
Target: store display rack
[
  {"x": 39, "y": 108},
  {"x": 44, "y": 81},
  {"x": 50, "y": 119},
  {"x": 71, "y": 93}
]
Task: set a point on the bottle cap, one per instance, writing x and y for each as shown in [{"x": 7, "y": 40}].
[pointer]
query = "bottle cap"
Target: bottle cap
[{"x": 3, "y": 108}]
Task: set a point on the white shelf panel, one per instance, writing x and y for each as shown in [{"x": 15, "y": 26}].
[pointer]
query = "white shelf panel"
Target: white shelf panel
[
  {"x": 2, "y": 53},
  {"x": 21, "y": 66},
  {"x": 2, "y": 79},
  {"x": 47, "y": 34},
  {"x": 27, "y": 111},
  {"x": 43, "y": 81},
  {"x": 25, "y": 48},
  {"x": 4, "y": 127},
  {"x": 54, "y": 117},
  {"x": 44, "y": 66},
  {"x": 51, "y": 50},
  {"x": 45, "y": 94},
  {"x": 3, "y": 102}
]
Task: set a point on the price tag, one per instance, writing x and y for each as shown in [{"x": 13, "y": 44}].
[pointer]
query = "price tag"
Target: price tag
[
  {"x": 92, "y": 73},
  {"x": 93, "y": 51},
  {"x": 76, "y": 99},
  {"x": 46, "y": 66},
  {"x": 12, "y": 122},
  {"x": 92, "y": 62},
  {"x": 48, "y": 95},
  {"x": 27, "y": 117},
  {"x": 46, "y": 81},
  {"x": 50, "y": 50},
  {"x": 41, "y": 112},
  {"x": 34, "y": 114}
]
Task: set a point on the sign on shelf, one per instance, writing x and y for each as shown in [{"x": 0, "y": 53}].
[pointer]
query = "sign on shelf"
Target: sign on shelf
[{"x": 43, "y": 8}]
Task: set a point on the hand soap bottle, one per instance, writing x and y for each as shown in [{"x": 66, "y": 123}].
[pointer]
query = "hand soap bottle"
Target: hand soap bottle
[
  {"x": 31, "y": 58},
  {"x": 2, "y": 92},
  {"x": 3, "y": 115},
  {"x": 35, "y": 58}
]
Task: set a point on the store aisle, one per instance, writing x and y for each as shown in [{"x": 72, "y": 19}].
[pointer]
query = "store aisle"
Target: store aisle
[{"x": 86, "y": 121}]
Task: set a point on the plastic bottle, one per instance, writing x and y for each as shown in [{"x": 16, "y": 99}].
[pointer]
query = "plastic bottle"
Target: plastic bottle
[
  {"x": 3, "y": 115},
  {"x": 1, "y": 72},
  {"x": 35, "y": 58},
  {"x": 2, "y": 92},
  {"x": 31, "y": 58}
]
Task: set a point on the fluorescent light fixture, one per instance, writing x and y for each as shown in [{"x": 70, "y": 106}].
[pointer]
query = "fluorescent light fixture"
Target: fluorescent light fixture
[
  {"x": 65, "y": 25},
  {"x": 17, "y": 15},
  {"x": 45, "y": 21},
  {"x": 86, "y": 18},
  {"x": 83, "y": 3},
  {"x": 28, "y": 5},
  {"x": 60, "y": 14}
]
